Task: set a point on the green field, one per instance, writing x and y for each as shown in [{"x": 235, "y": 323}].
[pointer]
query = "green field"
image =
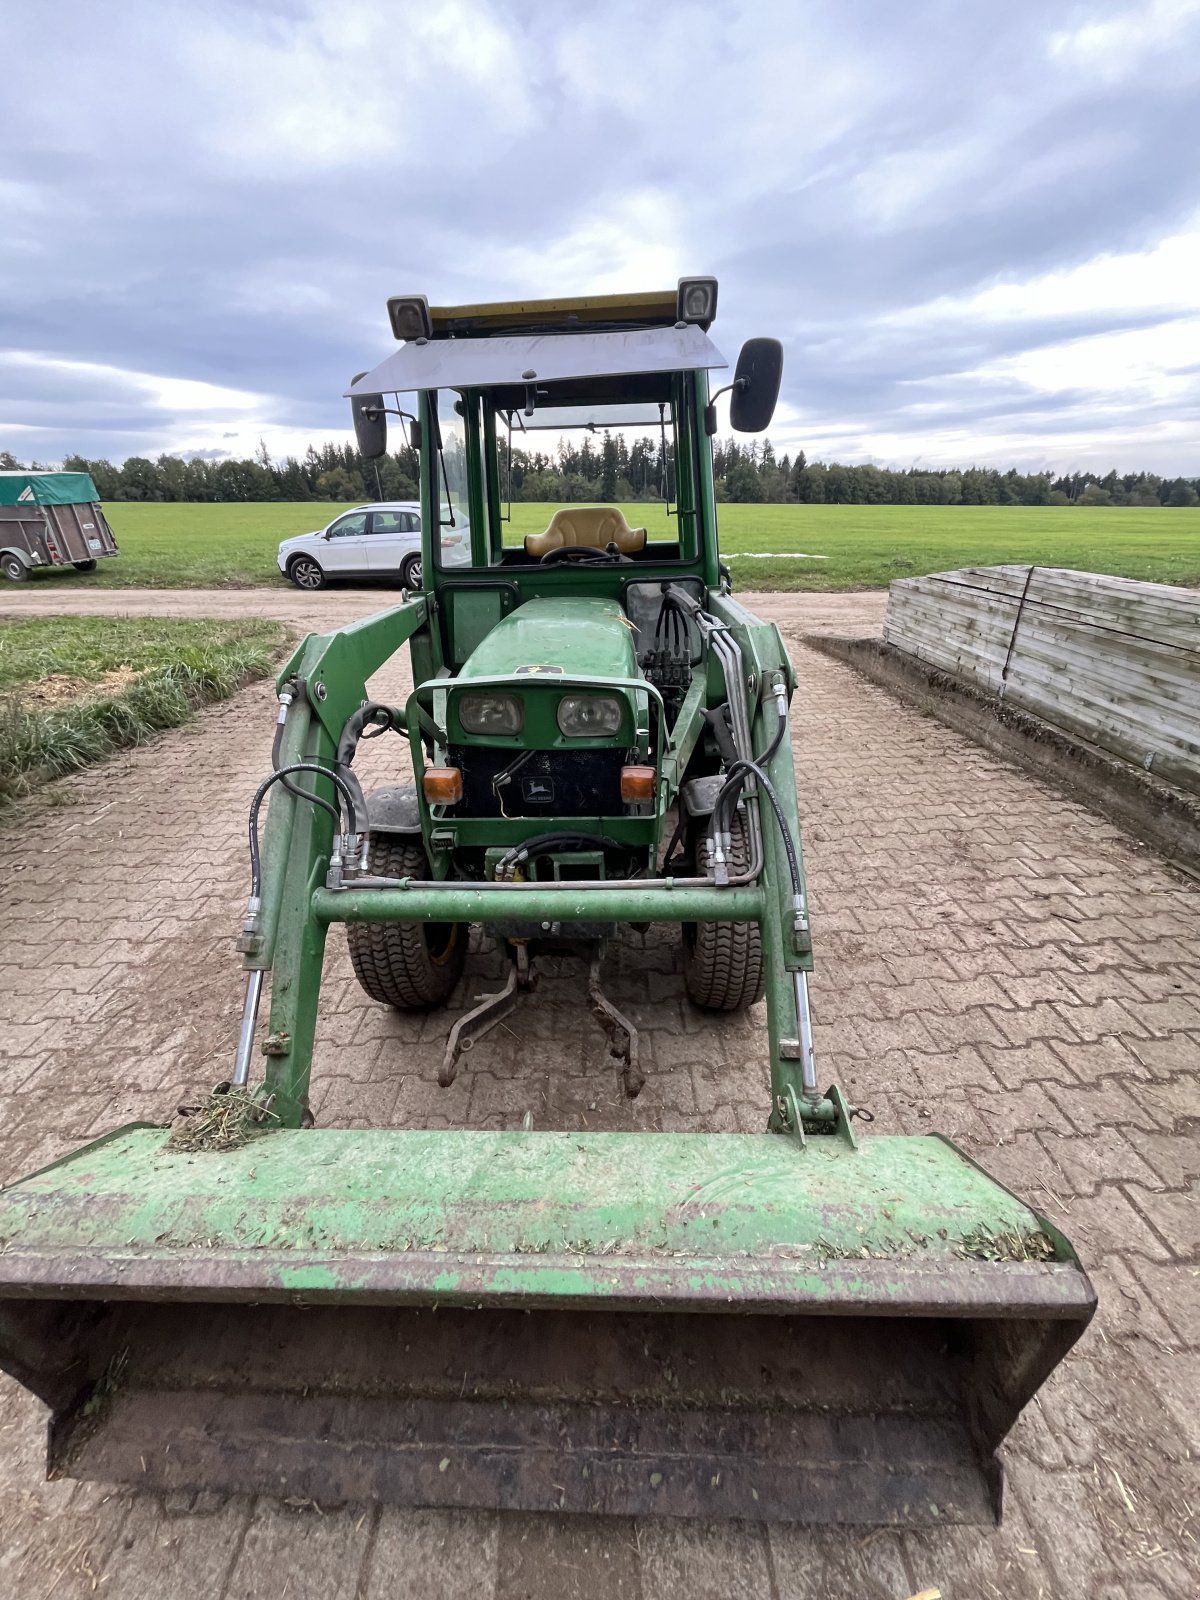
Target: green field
[{"x": 865, "y": 547}]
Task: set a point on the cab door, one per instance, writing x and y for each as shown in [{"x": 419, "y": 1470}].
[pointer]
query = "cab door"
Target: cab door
[
  {"x": 346, "y": 544},
  {"x": 394, "y": 535}
]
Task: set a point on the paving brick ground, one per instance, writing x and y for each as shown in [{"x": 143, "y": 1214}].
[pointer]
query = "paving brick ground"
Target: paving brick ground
[{"x": 995, "y": 962}]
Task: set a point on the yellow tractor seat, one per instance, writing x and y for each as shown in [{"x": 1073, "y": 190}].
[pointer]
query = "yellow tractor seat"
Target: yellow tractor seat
[{"x": 588, "y": 528}]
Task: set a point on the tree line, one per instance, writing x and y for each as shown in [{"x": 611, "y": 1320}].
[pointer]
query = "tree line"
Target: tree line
[{"x": 610, "y": 468}]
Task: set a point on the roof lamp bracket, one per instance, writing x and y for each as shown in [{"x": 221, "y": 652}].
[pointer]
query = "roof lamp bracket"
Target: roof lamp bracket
[
  {"x": 409, "y": 317},
  {"x": 696, "y": 301}
]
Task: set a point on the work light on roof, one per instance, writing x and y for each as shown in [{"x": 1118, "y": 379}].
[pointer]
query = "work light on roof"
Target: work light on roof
[
  {"x": 409, "y": 315},
  {"x": 697, "y": 300}
]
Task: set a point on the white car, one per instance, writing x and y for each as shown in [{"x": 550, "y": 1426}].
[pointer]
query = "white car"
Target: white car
[{"x": 374, "y": 541}]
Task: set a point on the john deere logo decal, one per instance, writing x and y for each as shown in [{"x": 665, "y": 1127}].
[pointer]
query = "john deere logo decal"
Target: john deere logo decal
[{"x": 543, "y": 671}]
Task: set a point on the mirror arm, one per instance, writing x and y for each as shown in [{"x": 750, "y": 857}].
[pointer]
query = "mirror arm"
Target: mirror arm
[
  {"x": 710, "y": 410},
  {"x": 373, "y": 413},
  {"x": 412, "y": 433}
]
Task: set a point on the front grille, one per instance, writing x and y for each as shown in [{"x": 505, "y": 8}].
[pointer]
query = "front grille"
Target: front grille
[{"x": 547, "y": 783}]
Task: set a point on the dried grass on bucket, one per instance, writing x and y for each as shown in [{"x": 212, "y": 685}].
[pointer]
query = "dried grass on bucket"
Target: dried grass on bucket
[{"x": 228, "y": 1119}]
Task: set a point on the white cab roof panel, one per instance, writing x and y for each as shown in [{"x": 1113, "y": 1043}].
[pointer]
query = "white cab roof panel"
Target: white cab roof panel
[{"x": 539, "y": 358}]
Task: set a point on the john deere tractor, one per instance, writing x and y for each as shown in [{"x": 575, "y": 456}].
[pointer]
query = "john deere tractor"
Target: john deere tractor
[{"x": 801, "y": 1323}]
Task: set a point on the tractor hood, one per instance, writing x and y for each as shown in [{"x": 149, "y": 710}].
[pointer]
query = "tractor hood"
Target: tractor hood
[{"x": 580, "y": 638}]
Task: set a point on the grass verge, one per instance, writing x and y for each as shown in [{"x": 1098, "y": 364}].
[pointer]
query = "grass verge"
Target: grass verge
[{"x": 75, "y": 689}]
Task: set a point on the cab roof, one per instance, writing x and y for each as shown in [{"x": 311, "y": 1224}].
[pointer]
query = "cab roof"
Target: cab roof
[{"x": 619, "y": 366}]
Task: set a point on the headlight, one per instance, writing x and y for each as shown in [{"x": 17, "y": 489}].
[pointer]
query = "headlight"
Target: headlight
[
  {"x": 490, "y": 713},
  {"x": 588, "y": 716}
]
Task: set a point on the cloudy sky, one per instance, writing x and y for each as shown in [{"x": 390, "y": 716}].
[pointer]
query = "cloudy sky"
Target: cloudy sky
[{"x": 975, "y": 224}]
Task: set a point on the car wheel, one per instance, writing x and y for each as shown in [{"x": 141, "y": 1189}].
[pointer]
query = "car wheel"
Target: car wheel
[
  {"x": 14, "y": 569},
  {"x": 306, "y": 573},
  {"x": 410, "y": 572}
]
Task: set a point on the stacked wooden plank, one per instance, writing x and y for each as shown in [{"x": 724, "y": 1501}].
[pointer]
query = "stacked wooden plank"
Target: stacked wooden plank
[{"x": 1108, "y": 660}]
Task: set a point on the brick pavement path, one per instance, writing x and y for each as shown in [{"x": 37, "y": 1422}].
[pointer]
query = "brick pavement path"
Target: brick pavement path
[{"x": 994, "y": 962}]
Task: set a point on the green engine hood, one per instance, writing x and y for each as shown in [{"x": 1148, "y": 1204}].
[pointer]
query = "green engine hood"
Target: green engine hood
[{"x": 584, "y": 638}]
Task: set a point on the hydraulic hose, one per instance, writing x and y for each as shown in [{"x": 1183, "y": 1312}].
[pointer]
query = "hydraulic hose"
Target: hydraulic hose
[
  {"x": 735, "y": 780},
  {"x": 543, "y": 842},
  {"x": 368, "y": 722},
  {"x": 727, "y": 798},
  {"x": 278, "y": 776},
  {"x": 294, "y": 788}
]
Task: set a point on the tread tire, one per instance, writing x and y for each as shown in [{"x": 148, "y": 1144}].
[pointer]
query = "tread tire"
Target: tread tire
[
  {"x": 413, "y": 966},
  {"x": 722, "y": 961}
]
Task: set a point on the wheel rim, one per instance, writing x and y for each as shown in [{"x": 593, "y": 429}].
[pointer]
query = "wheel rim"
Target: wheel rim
[
  {"x": 13, "y": 568},
  {"x": 412, "y": 575},
  {"x": 307, "y": 574},
  {"x": 441, "y": 941}
]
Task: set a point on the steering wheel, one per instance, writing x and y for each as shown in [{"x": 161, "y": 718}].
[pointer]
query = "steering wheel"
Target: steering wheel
[{"x": 584, "y": 554}]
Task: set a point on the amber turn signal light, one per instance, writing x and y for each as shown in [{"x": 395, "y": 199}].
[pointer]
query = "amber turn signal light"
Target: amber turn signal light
[
  {"x": 637, "y": 784},
  {"x": 443, "y": 786}
]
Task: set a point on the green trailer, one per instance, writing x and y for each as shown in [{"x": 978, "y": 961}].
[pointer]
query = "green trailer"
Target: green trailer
[
  {"x": 51, "y": 519},
  {"x": 809, "y": 1323}
]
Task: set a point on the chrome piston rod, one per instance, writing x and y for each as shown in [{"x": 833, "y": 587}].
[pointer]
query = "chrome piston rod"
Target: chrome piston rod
[
  {"x": 245, "y": 1047},
  {"x": 804, "y": 1033}
]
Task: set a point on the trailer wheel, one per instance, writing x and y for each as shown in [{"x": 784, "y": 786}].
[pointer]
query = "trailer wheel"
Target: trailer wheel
[
  {"x": 84, "y": 566},
  {"x": 722, "y": 961},
  {"x": 413, "y": 966},
  {"x": 14, "y": 569}
]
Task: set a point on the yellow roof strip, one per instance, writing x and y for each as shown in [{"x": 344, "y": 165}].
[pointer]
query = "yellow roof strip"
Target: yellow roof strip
[{"x": 657, "y": 306}]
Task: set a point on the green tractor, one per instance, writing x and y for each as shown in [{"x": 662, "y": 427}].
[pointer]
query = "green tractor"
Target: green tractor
[{"x": 799, "y": 1324}]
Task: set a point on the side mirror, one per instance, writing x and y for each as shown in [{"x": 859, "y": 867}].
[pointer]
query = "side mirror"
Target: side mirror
[
  {"x": 756, "y": 385},
  {"x": 370, "y": 424}
]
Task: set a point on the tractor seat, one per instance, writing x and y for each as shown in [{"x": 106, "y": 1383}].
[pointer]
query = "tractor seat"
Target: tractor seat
[{"x": 589, "y": 528}]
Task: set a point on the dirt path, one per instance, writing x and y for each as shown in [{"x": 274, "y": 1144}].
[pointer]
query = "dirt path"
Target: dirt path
[
  {"x": 821, "y": 613},
  {"x": 995, "y": 963}
]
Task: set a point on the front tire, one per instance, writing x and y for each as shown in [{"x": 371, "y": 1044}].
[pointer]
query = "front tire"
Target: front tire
[
  {"x": 306, "y": 573},
  {"x": 722, "y": 961},
  {"x": 413, "y": 966},
  {"x": 410, "y": 572},
  {"x": 14, "y": 569}
]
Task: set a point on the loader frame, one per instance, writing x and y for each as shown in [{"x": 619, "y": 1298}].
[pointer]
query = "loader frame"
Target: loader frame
[{"x": 328, "y": 677}]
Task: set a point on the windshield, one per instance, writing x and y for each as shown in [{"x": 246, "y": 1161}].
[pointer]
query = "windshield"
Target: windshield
[{"x": 564, "y": 479}]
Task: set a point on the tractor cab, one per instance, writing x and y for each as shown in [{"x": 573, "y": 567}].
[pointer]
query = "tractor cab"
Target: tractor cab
[{"x": 486, "y": 378}]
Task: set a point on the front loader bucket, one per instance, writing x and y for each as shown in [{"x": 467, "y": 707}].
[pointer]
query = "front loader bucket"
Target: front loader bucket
[{"x": 684, "y": 1324}]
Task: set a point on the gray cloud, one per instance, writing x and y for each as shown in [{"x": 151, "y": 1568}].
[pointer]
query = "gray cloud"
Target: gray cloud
[{"x": 224, "y": 194}]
